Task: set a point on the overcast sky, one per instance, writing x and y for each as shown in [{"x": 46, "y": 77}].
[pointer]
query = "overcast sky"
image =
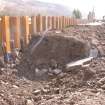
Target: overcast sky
[{"x": 83, "y": 5}]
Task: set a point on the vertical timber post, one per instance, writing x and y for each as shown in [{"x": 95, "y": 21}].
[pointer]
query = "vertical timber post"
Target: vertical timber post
[
  {"x": 0, "y": 38},
  {"x": 6, "y": 37},
  {"x": 38, "y": 23},
  {"x": 69, "y": 21},
  {"x": 25, "y": 25},
  {"x": 56, "y": 24},
  {"x": 49, "y": 22},
  {"x": 73, "y": 21},
  {"x": 43, "y": 23},
  {"x": 15, "y": 30},
  {"x": 53, "y": 22},
  {"x": 59, "y": 22},
  {"x": 33, "y": 25},
  {"x": 30, "y": 27},
  {"x": 46, "y": 22},
  {"x": 63, "y": 22}
]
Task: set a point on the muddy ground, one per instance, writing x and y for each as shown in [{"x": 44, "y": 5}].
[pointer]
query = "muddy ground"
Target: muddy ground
[{"x": 80, "y": 86}]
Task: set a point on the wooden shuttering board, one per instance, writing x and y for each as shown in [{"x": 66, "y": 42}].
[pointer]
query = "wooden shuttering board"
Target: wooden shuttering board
[
  {"x": 38, "y": 23},
  {"x": 25, "y": 29},
  {"x": 43, "y": 23},
  {"x": 15, "y": 30},
  {"x": 6, "y": 33},
  {"x": 33, "y": 24}
]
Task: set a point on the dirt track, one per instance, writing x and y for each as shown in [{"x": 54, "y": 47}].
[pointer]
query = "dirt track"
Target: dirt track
[{"x": 81, "y": 86}]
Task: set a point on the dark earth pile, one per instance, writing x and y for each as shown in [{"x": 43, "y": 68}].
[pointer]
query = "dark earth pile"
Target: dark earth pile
[{"x": 54, "y": 52}]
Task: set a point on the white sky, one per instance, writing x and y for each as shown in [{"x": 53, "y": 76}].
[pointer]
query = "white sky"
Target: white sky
[{"x": 83, "y": 5}]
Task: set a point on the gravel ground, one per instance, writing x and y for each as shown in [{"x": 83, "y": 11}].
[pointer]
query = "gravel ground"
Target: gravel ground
[{"x": 80, "y": 86}]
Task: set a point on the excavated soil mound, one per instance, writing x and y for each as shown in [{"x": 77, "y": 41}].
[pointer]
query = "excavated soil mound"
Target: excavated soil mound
[
  {"x": 53, "y": 52},
  {"x": 58, "y": 48}
]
